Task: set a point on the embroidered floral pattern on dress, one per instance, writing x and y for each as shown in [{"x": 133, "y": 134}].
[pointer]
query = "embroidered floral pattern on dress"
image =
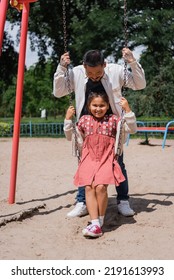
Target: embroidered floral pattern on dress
[{"x": 107, "y": 126}]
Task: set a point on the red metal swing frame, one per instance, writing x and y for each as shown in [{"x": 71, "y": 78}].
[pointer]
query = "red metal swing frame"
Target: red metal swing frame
[{"x": 24, "y": 7}]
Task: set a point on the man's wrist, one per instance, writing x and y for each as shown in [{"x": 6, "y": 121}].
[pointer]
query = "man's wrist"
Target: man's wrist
[{"x": 132, "y": 62}]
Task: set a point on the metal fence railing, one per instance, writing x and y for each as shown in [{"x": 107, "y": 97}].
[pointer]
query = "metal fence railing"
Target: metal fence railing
[
  {"x": 35, "y": 129},
  {"x": 55, "y": 129}
]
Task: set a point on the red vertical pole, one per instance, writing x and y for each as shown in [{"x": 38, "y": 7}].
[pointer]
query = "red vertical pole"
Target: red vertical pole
[
  {"x": 3, "y": 12},
  {"x": 18, "y": 104}
]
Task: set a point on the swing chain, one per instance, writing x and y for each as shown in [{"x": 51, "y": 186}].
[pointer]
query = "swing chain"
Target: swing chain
[
  {"x": 119, "y": 147},
  {"x": 125, "y": 45},
  {"x": 68, "y": 76},
  {"x": 65, "y": 48},
  {"x": 64, "y": 25}
]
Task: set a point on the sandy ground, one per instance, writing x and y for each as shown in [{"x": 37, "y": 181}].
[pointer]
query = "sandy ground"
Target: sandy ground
[{"x": 36, "y": 226}]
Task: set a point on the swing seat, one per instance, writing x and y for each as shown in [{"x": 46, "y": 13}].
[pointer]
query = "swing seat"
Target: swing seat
[{"x": 141, "y": 128}]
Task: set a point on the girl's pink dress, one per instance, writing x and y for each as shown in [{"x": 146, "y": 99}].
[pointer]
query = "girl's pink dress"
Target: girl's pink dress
[{"x": 98, "y": 164}]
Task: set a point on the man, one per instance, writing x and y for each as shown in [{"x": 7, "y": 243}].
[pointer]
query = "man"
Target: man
[{"x": 97, "y": 75}]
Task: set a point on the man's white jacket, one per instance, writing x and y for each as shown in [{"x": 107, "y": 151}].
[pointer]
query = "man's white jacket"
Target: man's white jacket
[{"x": 112, "y": 80}]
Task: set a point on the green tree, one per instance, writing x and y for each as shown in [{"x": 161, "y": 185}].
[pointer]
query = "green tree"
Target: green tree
[
  {"x": 99, "y": 24},
  {"x": 38, "y": 92},
  {"x": 8, "y": 100},
  {"x": 8, "y": 68}
]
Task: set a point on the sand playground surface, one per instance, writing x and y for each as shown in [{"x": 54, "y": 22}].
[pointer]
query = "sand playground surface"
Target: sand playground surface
[{"x": 35, "y": 227}]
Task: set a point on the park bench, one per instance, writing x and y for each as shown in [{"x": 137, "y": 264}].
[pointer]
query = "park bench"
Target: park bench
[{"x": 141, "y": 128}]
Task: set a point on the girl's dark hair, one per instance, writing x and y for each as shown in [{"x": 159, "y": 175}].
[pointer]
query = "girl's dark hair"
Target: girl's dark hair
[
  {"x": 92, "y": 95},
  {"x": 93, "y": 58}
]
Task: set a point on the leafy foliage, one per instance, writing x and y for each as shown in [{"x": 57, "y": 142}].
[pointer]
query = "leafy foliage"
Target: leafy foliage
[
  {"x": 93, "y": 24},
  {"x": 4, "y": 129}
]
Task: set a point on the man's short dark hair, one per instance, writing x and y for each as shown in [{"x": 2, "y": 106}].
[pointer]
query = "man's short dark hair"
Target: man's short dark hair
[{"x": 93, "y": 58}]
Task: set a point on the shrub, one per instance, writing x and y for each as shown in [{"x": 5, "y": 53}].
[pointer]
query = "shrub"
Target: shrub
[{"x": 4, "y": 129}]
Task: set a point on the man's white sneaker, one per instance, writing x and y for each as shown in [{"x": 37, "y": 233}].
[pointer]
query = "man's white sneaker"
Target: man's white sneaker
[
  {"x": 124, "y": 208},
  {"x": 79, "y": 210}
]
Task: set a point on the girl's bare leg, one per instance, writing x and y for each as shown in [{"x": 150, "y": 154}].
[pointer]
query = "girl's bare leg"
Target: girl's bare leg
[
  {"x": 102, "y": 199},
  {"x": 91, "y": 202}
]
